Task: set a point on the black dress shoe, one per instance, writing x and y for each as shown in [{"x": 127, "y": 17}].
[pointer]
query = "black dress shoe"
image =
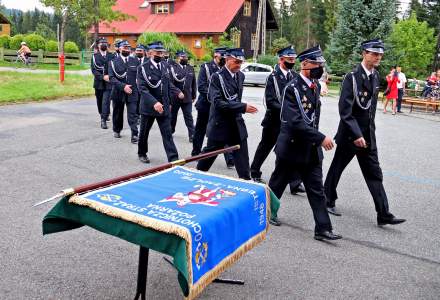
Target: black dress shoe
[
  {"x": 391, "y": 220},
  {"x": 327, "y": 235},
  {"x": 117, "y": 135},
  {"x": 299, "y": 189},
  {"x": 144, "y": 159},
  {"x": 190, "y": 139},
  {"x": 259, "y": 180},
  {"x": 134, "y": 139},
  {"x": 108, "y": 119},
  {"x": 275, "y": 221},
  {"x": 230, "y": 166},
  {"x": 334, "y": 211},
  {"x": 104, "y": 124}
]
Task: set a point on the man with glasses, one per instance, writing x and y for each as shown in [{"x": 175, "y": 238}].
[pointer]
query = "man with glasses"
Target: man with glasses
[
  {"x": 356, "y": 134},
  {"x": 226, "y": 125},
  {"x": 298, "y": 148}
]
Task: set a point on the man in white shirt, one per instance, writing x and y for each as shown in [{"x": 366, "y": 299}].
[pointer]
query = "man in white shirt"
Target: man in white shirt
[{"x": 400, "y": 87}]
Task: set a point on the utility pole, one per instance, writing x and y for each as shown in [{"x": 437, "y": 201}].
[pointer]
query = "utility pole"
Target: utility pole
[
  {"x": 263, "y": 30},
  {"x": 96, "y": 23},
  {"x": 258, "y": 30}
]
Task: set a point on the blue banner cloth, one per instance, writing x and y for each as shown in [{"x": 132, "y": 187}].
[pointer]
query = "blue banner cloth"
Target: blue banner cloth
[{"x": 220, "y": 218}]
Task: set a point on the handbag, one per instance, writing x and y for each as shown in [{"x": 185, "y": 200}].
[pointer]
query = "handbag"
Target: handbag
[{"x": 387, "y": 91}]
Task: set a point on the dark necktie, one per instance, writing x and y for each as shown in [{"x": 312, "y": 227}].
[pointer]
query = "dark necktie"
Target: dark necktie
[
  {"x": 370, "y": 81},
  {"x": 158, "y": 66},
  {"x": 289, "y": 76}
]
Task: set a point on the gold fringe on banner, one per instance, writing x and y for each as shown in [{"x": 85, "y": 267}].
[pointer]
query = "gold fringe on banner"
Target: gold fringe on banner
[{"x": 184, "y": 233}]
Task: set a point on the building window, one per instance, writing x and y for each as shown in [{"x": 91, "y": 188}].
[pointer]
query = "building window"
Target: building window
[
  {"x": 254, "y": 41},
  {"x": 236, "y": 36},
  {"x": 247, "y": 8},
  {"x": 163, "y": 8}
]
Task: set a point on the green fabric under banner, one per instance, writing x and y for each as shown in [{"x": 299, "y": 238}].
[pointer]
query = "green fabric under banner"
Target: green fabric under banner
[{"x": 66, "y": 216}]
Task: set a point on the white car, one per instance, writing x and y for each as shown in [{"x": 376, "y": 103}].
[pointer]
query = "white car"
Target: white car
[{"x": 256, "y": 74}]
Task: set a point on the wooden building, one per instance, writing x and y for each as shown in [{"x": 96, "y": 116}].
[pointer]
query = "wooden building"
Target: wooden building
[
  {"x": 5, "y": 25},
  {"x": 193, "y": 21}
]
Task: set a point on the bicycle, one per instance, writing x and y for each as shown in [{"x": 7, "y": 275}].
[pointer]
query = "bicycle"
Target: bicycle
[{"x": 25, "y": 60}]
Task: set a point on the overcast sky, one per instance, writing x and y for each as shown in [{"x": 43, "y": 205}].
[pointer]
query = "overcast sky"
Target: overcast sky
[
  {"x": 24, "y": 4},
  {"x": 31, "y": 4}
]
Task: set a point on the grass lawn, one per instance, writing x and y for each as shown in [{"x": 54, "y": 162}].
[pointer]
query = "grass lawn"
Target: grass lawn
[
  {"x": 43, "y": 66},
  {"x": 25, "y": 87}
]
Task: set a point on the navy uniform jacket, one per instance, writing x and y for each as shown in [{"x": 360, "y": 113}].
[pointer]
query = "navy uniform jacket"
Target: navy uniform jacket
[
  {"x": 299, "y": 142},
  {"x": 155, "y": 86},
  {"x": 356, "y": 121},
  {"x": 206, "y": 71},
  {"x": 226, "y": 123},
  {"x": 273, "y": 96},
  {"x": 99, "y": 66},
  {"x": 122, "y": 74},
  {"x": 184, "y": 78}
]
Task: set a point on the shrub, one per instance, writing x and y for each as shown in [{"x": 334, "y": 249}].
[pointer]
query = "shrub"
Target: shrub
[
  {"x": 15, "y": 41},
  {"x": 70, "y": 47},
  {"x": 52, "y": 46},
  {"x": 35, "y": 41},
  {"x": 267, "y": 60},
  {"x": 206, "y": 58},
  {"x": 4, "y": 41},
  {"x": 170, "y": 41}
]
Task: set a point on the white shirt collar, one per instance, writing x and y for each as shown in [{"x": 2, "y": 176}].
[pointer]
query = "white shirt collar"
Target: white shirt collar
[
  {"x": 306, "y": 80},
  {"x": 366, "y": 70},
  {"x": 103, "y": 53},
  {"x": 232, "y": 74},
  {"x": 284, "y": 71}
]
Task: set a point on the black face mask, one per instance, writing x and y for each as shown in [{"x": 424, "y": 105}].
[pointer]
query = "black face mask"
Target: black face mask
[
  {"x": 289, "y": 65},
  {"x": 139, "y": 55},
  {"x": 125, "y": 53},
  {"x": 103, "y": 47},
  {"x": 222, "y": 62},
  {"x": 183, "y": 62},
  {"x": 157, "y": 59},
  {"x": 316, "y": 73}
]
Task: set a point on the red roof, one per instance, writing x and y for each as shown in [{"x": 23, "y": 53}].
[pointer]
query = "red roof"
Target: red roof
[{"x": 189, "y": 16}]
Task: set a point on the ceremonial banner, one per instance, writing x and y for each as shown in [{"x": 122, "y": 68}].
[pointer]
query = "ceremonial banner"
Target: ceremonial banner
[{"x": 219, "y": 218}]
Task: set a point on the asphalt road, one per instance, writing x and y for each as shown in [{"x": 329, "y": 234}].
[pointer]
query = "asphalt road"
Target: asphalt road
[{"x": 49, "y": 146}]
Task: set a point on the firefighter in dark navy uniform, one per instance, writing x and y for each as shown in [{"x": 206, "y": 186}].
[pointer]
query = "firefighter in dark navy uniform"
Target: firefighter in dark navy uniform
[
  {"x": 184, "y": 78},
  {"x": 298, "y": 148},
  {"x": 203, "y": 105},
  {"x": 356, "y": 134},
  {"x": 156, "y": 91},
  {"x": 101, "y": 82},
  {"x": 275, "y": 84},
  {"x": 123, "y": 71},
  {"x": 226, "y": 125}
]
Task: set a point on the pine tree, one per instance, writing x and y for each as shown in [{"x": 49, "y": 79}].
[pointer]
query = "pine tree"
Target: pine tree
[{"x": 358, "y": 20}]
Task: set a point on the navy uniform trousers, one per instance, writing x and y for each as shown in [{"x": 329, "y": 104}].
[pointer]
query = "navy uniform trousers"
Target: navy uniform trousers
[
  {"x": 369, "y": 164},
  {"x": 311, "y": 176},
  {"x": 187, "y": 116},
  {"x": 165, "y": 130}
]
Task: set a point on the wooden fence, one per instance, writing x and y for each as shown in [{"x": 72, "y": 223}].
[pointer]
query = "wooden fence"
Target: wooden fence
[{"x": 45, "y": 57}]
